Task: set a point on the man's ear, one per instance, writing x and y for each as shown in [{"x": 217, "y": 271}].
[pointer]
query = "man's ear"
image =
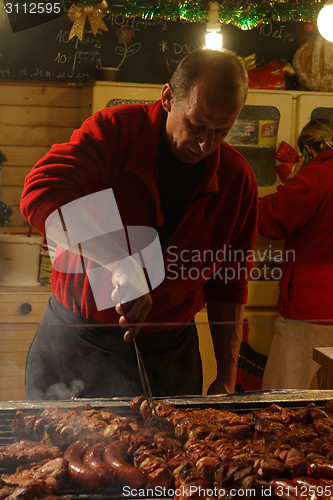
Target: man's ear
[{"x": 167, "y": 97}]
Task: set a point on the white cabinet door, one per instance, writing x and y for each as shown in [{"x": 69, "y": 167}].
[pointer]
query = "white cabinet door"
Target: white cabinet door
[
  {"x": 119, "y": 92},
  {"x": 313, "y": 106}
]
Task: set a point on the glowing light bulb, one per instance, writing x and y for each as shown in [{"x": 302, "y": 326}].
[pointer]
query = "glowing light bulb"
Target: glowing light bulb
[
  {"x": 213, "y": 35},
  {"x": 213, "y": 40},
  {"x": 325, "y": 21}
]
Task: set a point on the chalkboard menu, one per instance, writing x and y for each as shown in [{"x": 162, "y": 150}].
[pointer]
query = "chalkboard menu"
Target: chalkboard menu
[{"x": 146, "y": 51}]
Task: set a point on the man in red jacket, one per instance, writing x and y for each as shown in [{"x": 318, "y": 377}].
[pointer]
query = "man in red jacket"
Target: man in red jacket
[
  {"x": 129, "y": 173},
  {"x": 300, "y": 212}
]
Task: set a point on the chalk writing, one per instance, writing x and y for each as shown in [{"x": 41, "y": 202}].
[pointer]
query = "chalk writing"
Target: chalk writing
[
  {"x": 280, "y": 32},
  {"x": 184, "y": 49}
]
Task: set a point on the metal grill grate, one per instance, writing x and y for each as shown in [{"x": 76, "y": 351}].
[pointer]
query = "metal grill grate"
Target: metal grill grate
[
  {"x": 242, "y": 403},
  {"x": 69, "y": 490}
]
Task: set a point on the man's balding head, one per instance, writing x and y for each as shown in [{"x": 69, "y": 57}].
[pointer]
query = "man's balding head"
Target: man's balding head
[{"x": 224, "y": 74}]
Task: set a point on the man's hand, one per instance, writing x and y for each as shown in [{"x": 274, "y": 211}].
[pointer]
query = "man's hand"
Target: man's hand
[
  {"x": 133, "y": 312},
  {"x": 130, "y": 283},
  {"x": 219, "y": 387}
]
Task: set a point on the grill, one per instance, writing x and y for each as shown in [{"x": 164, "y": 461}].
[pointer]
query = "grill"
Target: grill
[{"x": 240, "y": 403}]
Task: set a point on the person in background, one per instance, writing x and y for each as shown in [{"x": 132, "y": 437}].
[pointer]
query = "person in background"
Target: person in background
[
  {"x": 169, "y": 169},
  {"x": 301, "y": 213}
]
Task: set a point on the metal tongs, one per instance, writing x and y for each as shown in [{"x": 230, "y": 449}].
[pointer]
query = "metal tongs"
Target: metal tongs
[{"x": 153, "y": 419}]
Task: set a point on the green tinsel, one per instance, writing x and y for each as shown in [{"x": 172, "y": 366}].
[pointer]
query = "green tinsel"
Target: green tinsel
[
  {"x": 192, "y": 11},
  {"x": 261, "y": 12},
  {"x": 245, "y": 18},
  {"x": 294, "y": 11}
]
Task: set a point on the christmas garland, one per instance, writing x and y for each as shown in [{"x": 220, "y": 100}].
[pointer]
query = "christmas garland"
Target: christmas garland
[{"x": 241, "y": 13}]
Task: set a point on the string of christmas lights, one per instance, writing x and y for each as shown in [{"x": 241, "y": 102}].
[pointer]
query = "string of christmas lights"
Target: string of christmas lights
[{"x": 245, "y": 15}]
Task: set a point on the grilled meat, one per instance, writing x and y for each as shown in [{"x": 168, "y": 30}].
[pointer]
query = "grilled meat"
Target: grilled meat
[
  {"x": 276, "y": 452},
  {"x": 62, "y": 428},
  {"x": 51, "y": 472},
  {"x": 32, "y": 491},
  {"x": 26, "y": 452}
]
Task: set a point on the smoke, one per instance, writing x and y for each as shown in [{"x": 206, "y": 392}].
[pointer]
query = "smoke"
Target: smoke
[{"x": 61, "y": 391}]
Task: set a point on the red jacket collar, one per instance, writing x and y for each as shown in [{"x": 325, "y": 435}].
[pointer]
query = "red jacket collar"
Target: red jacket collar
[{"x": 142, "y": 161}]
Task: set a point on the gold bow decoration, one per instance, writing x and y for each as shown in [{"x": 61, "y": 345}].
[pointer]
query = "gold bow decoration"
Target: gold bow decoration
[{"x": 78, "y": 13}]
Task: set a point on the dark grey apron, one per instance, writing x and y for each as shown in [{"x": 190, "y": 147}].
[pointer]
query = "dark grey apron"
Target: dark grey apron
[{"x": 71, "y": 356}]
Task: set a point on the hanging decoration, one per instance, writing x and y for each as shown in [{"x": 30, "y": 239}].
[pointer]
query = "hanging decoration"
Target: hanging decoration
[
  {"x": 5, "y": 211},
  {"x": 246, "y": 16},
  {"x": 288, "y": 156},
  {"x": 79, "y": 12}
]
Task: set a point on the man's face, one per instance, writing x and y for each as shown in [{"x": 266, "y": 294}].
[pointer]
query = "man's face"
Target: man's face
[{"x": 197, "y": 124}]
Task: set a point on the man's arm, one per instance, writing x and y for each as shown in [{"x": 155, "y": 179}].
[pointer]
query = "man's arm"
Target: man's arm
[
  {"x": 226, "y": 340},
  {"x": 81, "y": 234}
]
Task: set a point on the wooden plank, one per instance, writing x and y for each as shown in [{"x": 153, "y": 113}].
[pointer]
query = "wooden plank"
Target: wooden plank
[
  {"x": 7, "y": 307},
  {"x": 33, "y": 136},
  {"x": 36, "y": 292},
  {"x": 40, "y": 95},
  {"x": 40, "y": 116},
  {"x": 11, "y": 358},
  {"x": 12, "y": 394},
  {"x": 16, "y": 370},
  {"x": 22, "y": 319},
  {"x": 14, "y": 345},
  {"x": 11, "y": 195},
  {"x": 32, "y": 317},
  {"x": 18, "y": 334},
  {"x": 23, "y": 155},
  {"x": 8, "y": 311},
  {"x": 14, "y": 175},
  {"x": 16, "y": 383}
]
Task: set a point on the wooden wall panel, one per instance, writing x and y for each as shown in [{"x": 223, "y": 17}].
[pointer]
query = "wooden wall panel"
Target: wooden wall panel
[
  {"x": 41, "y": 116},
  {"x": 40, "y": 94},
  {"x": 33, "y": 116},
  {"x": 14, "y": 176},
  {"x": 33, "y": 136},
  {"x": 23, "y": 156}
]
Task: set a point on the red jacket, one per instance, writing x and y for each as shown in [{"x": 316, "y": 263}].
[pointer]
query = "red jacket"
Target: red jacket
[
  {"x": 117, "y": 148},
  {"x": 301, "y": 213}
]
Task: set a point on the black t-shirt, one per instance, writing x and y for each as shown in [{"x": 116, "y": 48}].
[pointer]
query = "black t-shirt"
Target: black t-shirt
[{"x": 176, "y": 183}]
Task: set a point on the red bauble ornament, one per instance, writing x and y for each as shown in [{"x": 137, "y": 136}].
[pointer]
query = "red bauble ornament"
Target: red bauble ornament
[{"x": 308, "y": 28}]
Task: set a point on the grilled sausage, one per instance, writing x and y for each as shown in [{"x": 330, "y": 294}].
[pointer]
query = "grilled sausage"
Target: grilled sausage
[
  {"x": 113, "y": 456},
  {"x": 321, "y": 469},
  {"x": 93, "y": 458},
  {"x": 80, "y": 472},
  {"x": 314, "y": 487}
]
